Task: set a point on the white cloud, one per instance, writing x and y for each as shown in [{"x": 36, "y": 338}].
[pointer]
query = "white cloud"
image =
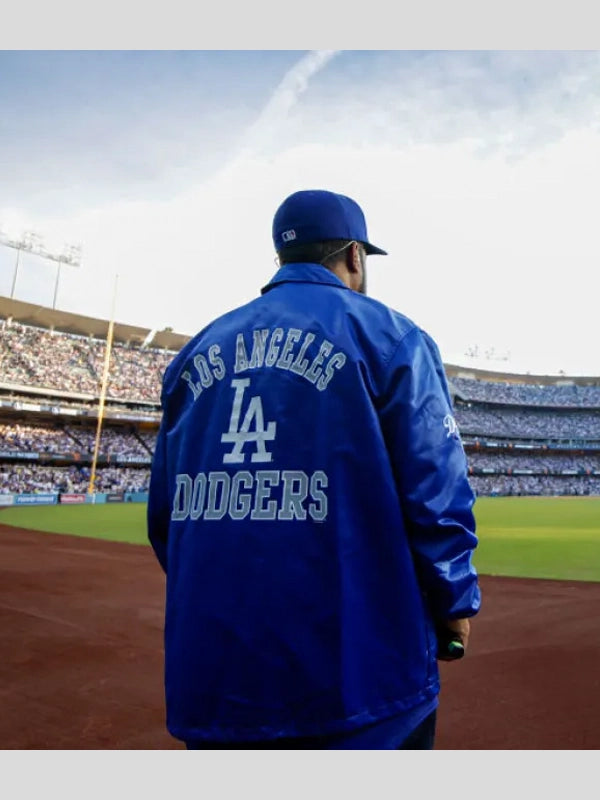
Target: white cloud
[{"x": 482, "y": 188}]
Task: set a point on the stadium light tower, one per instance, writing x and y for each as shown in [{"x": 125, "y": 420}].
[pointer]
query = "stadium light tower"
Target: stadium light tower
[
  {"x": 31, "y": 242},
  {"x": 71, "y": 255}
]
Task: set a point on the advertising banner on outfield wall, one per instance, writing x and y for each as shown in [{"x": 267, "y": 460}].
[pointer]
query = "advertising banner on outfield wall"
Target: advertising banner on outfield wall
[
  {"x": 136, "y": 497},
  {"x": 36, "y": 499},
  {"x": 95, "y": 498},
  {"x": 72, "y": 498},
  {"x": 6, "y": 499},
  {"x": 114, "y": 497}
]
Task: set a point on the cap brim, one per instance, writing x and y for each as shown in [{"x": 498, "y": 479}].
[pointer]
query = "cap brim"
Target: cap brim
[{"x": 371, "y": 250}]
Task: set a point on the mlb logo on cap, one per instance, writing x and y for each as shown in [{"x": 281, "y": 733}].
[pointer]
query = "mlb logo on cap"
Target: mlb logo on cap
[{"x": 288, "y": 236}]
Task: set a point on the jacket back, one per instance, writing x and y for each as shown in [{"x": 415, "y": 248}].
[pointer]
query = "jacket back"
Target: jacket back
[{"x": 310, "y": 505}]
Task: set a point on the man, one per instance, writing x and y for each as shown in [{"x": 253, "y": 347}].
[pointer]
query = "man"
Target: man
[{"x": 310, "y": 506}]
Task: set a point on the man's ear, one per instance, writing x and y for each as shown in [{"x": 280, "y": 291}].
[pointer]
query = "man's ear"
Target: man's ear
[{"x": 353, "y": 258}]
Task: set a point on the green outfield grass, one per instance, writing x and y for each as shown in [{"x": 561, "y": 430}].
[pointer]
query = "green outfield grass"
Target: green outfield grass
[
  {"x": 119, "y": 522},
  {"x": 539, "y": 537}
]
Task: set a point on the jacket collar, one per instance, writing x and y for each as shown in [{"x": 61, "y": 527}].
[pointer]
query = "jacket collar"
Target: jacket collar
[{"x": 304, "y": 273}]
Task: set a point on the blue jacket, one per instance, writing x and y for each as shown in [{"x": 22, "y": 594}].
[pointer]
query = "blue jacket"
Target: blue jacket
[{"x": 310, "y": 506}]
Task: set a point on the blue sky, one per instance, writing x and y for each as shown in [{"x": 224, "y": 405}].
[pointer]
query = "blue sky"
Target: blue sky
[{"x": 478, "y": 170}]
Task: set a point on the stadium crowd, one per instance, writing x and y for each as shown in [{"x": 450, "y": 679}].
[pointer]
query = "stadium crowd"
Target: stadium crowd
[
  {"x": 125, "y": 445},
  {"x": 53, "y": 360},
  {"x": 75, "y": 439},
  {"x": 58, "y": 367},
  {"x": 559, "y": 462},
  {"x": 22, "y": 438},
  {"x": 24, "y": 478},
  {"x": 113, "y": 442},
  {"x": 526, "y": 423},
  {"x": 564, "y": 394},
  {"x": 534, "y": 485}
]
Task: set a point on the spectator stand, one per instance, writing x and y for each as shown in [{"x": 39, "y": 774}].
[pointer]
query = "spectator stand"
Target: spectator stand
[
  {"x": 522, "y": 434},
  {"x": 529, "y": 435}
]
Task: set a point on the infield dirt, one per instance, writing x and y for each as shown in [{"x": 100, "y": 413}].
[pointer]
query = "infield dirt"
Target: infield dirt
[{"x": 81, "y": 665}]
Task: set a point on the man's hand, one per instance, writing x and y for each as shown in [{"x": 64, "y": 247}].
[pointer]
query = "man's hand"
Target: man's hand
[{"x": 453, "y": 639}]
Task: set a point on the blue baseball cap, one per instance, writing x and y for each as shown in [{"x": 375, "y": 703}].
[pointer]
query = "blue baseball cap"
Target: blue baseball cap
[{"x": 316, "y": 215}]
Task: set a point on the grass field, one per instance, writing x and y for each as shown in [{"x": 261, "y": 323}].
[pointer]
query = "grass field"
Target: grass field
[
  {"x": 119, "y": 522},
  {"x": 538, "y": 537}
]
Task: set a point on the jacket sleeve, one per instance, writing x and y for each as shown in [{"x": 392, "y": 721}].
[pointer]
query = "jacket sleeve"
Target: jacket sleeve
[
  {"x": 430, "y": 469},
  {"x": 158, "y": 510}
]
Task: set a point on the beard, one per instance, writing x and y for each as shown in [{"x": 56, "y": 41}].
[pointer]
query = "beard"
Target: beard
[{"x": 363, "y": 284}]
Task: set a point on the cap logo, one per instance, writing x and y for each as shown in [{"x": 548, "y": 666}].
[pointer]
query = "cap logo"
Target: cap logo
[{"x": 288, "y": 236}]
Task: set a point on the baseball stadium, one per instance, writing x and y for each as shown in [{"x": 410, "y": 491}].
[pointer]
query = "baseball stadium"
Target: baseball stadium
[{"x": 82, "y": 595}]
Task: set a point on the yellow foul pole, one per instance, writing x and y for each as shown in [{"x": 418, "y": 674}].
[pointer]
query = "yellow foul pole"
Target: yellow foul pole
[{"x": 105, "y": 374}]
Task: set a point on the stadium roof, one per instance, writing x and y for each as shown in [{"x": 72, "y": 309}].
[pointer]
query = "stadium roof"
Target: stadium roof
[
  {"x": 455, "y": 371},
  {"x": 43, "y": 317}
]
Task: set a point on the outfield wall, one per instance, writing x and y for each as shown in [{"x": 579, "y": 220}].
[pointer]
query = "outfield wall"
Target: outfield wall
[{"x": 57, "y": 498}]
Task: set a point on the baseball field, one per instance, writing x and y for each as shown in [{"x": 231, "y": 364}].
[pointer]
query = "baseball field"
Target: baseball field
[{"x": 81, "y": 603}]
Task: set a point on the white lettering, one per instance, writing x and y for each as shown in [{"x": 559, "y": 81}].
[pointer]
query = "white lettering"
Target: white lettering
[
  {"x": 267, "y": 351},
  {"x": 259, "y": 345},
  {"x": 241, "y": 435},
  {"x": 181, "y": 501},
  {"x": 292, "y": 499},
  {"x": 286, "y": 357},
  {"x": 318, "y": 510},
  {"x": 314, "y": 371},
  {"x": 195, "y": 387},
  {"x": 336, "y": 361},
  {"x": 300, "y": 363},
  {"x": 217, "y": 500},
  {"x": 198, "y": 496},
  {"x": 239, "y": 504},
  {"x": 201, "y": 364},
  {"x": 206, "y": 373},
  {"x": 241, "y": 356},
  {"x": 273, "y": 351},
  {"x": 265, "y": 480},
  {"x": 266, "y": 495},
  {"x": 216, "y": 361}
]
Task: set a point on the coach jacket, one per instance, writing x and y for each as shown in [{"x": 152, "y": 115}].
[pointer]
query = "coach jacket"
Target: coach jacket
[{"x": 310, "y": 505}]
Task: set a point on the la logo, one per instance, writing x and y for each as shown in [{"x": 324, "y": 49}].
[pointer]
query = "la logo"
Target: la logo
[{"x": 252, "y": 428}]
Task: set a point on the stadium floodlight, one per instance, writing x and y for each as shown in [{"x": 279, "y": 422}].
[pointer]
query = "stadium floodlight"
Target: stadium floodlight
[
  {"x": 71, "y": 255},
  {"x": 18, "y": 245},
  {"x": 32, "y": 242}
]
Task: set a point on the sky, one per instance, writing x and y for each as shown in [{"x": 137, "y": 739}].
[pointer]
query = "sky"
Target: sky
[{"x": 477, "y": 170}]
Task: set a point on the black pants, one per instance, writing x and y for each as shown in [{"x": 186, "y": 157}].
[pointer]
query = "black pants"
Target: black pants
[{"x": 422, "y": 738}]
